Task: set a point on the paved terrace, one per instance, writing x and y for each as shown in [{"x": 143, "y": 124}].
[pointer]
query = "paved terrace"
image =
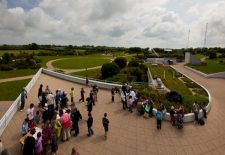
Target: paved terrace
[{"x": 130, "y": 133}]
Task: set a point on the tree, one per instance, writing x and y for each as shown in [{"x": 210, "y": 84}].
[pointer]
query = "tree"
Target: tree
[
  {"x": 135, "y": 50},
  {"x": 6, "y": 58},
  {"x": 109, "y": 69},
  {"x": 121, "y": 62},
  {"x": 33, "y": 46}
]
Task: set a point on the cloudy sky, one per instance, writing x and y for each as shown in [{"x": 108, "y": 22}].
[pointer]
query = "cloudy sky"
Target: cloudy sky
[{"x": 129, "y": 23}]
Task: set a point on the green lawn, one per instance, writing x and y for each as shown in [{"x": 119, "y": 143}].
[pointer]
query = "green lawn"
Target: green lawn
[
  {"x": 10, "y": 90},
  {"x": 45, "y": 59},
  {"x": 199, "y": 56},
  {"x": 170, "y": 82},
  {"x": 17, "y": 73},
  {"x": 93, "y": 73},
  {"x": 81, "y": 62},
  {"x": 213, "y": 66}
]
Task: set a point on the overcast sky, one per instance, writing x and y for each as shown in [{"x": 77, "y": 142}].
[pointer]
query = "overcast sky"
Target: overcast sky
[{"x": 145, "y": 23}]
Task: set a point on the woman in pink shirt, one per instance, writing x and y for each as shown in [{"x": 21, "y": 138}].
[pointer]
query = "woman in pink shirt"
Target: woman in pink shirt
[
  {"x": 65, "y": 121},
  {"x": 38, "y": 144},
  {"x": 130, "y": 103}
]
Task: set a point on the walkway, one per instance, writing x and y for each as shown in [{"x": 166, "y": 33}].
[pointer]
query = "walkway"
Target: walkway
[
  {"x": 16, "y": 78},
  {"x": 132, "y": 134}
]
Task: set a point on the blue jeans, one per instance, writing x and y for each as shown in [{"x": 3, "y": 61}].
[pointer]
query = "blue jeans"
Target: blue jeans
[{"x": 90, "y": 131}]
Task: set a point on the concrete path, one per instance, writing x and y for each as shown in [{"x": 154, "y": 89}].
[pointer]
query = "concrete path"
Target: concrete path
[{"x": 16, "y": 78}]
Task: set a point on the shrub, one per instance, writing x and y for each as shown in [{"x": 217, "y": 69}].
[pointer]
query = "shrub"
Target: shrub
[
  {"x": 133, "y": 63},
  {"x": 109, "y": 69},
  {"x": 121, "y": 62},
  {"x": 5, "y": 67}
]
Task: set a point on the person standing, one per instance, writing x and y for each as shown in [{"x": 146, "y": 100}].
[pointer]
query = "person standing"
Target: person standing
[
  {"x": 89, "y": 125},
  {"x": 89, "y": 105},
  {"x": 38, "y": 144},
  {"x": 159, "y": 118},
  {"x": 113, "y": 94},
  {"x": 105, "y": 123},
  {"x": 87, "y": 81},
  {"x": 24, "y": 128},
  {"x": 76, "y": 116},
  {"x": 91, "y": 96},
  {"x": 72, "y": 95},
  {"x": 23, "y": 97},
  {"x": 123, "y": 100},
  {"x": 65, "y": 121},
  {"x": 57, "y": 99},
  {"x": 130, "y": 104},
  {"x": 29, "y": 144},
  {"x": 82, "y": 95},
  {"x": 195, "y": 109},
  {"x": 40, "y": 91}
]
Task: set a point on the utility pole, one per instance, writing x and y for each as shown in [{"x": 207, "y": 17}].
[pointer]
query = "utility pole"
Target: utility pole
[
  {"x": 188, "y": 38},
  {"x": 206, "y": 29}
]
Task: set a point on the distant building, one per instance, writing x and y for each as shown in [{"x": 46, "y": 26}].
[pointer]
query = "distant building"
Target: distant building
[{"x": 189, "y": 58}]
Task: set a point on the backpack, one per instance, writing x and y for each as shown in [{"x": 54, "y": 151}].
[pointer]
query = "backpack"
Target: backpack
[{"x": 158, "y": 116}]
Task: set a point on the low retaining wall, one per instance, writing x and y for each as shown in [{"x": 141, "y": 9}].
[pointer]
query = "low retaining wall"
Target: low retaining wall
[
  {"x": 190, "y": 117},
  {"x": 16, "y": 104},
  {"x": 80, "y": 80},
  {"x": 215, "y": 75}
]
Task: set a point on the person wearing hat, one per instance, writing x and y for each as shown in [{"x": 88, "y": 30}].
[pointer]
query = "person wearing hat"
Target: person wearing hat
[
  {"x": 172, "y": 117},
  {"x": 23, "y": 96}
]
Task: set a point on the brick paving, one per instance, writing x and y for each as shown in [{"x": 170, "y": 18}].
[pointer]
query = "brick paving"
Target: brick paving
[
  {"x": 130, "y": 133},
  {"x": 4, "y": 106}
]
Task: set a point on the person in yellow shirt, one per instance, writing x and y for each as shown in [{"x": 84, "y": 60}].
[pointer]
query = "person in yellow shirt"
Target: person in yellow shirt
[{"x": 72, "y": 95}]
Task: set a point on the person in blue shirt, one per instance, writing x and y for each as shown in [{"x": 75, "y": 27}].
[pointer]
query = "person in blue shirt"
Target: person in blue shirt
[
  {"x": 158, "y": 116},
  {"x": 24, "y": 129},
  {"x": 23, "y": 97}
]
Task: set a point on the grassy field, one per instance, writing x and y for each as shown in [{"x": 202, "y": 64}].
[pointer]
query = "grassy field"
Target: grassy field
[
  {"x": 81, "y": 62},
  {"x": 45, "y": 59},
  {"x": 213, "y": 66},
  {"x": 17, "y": 73},
  {"x": 93, "y": 73},
  {"x": 10, "y": 90},
  {"x": 199, "y": 56},
  {"x": 170, "y": 82}
]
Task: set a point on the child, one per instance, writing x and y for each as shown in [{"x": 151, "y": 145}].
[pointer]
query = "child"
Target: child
[
  {"x": 74, "y": 151},
  {"x": 159, "y": 118},
  {"x": 37, "y": 118},
  {"x": 54, "y": 143},
  {"x": 113, "y": 93},
  {"x": 38, "y": 144},
  {"x": 130, "y": 103},
  {"x": 24, "y": 129},
  {"x": 105, "y": 123},
  {"x": 72, "y": 95},
  {"x": 172, "y": 117}
]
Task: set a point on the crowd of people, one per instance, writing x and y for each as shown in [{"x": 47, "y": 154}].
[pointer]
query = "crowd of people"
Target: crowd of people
[
  {"x": 130, "y": 99},
  {"x": 58, "y": 117}
]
